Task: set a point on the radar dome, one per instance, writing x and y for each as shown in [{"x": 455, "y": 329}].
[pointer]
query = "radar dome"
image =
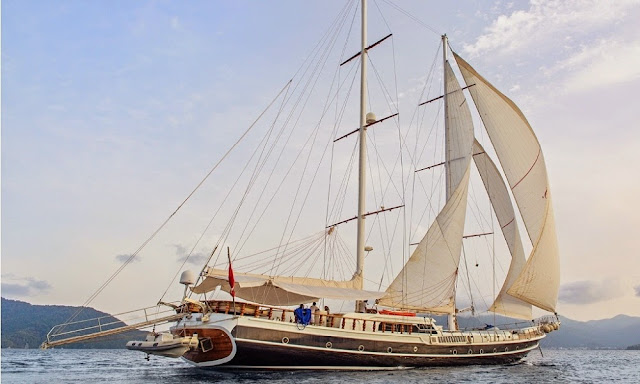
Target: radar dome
[{"x": 188, "y": 278}]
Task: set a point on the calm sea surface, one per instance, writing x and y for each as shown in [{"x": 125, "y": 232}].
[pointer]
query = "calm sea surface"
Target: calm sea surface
[{"x": 123, "y": 366}]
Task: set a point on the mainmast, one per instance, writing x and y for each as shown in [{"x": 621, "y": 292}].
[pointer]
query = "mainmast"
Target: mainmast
[{"x": 362, "y": 163}]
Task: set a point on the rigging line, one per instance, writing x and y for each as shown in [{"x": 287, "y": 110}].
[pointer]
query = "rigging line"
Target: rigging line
[
  {"x": 264, "y": 140},
  {"x": 482, "y": 220},
  {"x": 130, "y": 259},
  {"x": 405, "y": 247},
  {"x": 375, "y": 147},
  {"x": 412, "y": 17},
  {"x": 466, "y": 267},
  {"x": 338, "y": 205},
  {"x": 338, "y": 119},
  {"x": 387, "y": 95},
  {"x": 311, "y": 257},
  {"x": 316, "y": 171},
  {"x": 308, "y": 238},
  {"x": 260, "y": 197},
  {"x": 344, "y": 11},
  {"x": 429, "y": 208},
  {"x": 315, "y": 135},
  {"x": 398, "y": 158},
  {"x": 297, "y": 103},
  {"x": 277, "y": 189},
  {"x": 256, "y": 265},
  {"x": 323, "y": 62}
]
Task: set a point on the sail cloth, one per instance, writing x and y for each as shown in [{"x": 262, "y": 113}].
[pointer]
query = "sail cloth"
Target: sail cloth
[
  {"x": 427, "y": 281},
  {"x": 504, "y": 303},
  {"x": 521, "y": 158},
  {"x": 283, "y": 290}
]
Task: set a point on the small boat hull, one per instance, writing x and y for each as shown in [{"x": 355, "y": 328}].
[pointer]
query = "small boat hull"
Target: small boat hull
[{"x": 165, "y": 345}]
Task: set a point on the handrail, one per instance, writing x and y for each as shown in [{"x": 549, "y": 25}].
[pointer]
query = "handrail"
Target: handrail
[{"x": 97, "y": 327}]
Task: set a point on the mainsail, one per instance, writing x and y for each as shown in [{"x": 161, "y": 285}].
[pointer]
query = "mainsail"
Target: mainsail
[
  {"x": 427, "y": 281},
  {"x": 504, "y": 303},
  {"x": 521, "y": 158}
]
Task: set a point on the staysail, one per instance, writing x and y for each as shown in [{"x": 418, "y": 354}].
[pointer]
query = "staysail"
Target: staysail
[
  {"x": 521, "y": 158},
  {"x": 427, "y": 281},
  {"x": 504, "y": 303}
]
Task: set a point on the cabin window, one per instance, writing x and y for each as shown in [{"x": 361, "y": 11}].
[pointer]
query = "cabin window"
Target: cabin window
[{"x": 206, "y": 345}]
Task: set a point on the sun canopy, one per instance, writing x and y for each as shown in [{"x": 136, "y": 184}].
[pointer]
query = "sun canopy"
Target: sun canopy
[{"x": 283, "y": 290}]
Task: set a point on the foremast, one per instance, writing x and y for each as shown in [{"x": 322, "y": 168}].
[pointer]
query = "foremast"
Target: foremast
[
  {"x": 451, "y": 317},
  {"x": 362, "y": 161}
]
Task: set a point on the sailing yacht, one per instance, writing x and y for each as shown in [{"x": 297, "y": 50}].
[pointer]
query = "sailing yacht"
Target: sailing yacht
[{"x": 263, "y": 330}]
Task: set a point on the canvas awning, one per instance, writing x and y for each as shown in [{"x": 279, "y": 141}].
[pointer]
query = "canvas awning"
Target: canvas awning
[{"x": 284, "y": 290}]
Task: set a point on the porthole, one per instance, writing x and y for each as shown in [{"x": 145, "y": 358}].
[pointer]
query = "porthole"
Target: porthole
[
  {"x": 481, "y": 351},
  {"x": 328, "y": 345},
  {"x": 455, "y": 351},
  {"x": 495, "y": 350},
  {"x": 415, "y": 349},
  {"x": 470, "y": 352},
  {"x": 285, "y": 340},
  {"x": 517, "y": 348},
  {"x": 361, "y": 348},
  {"x": 389, "y": 350},
  {"x": 506, "y": 349}
]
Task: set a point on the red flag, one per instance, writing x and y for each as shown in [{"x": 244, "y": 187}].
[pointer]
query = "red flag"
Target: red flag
[{"x": 232, "y": 281}]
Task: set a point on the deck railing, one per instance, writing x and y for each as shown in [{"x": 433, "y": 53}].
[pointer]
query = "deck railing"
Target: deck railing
[{"x": 87, "y": 329}]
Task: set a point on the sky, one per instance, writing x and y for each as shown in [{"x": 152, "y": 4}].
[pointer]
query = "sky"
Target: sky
[{"x": 112, "y": 112}]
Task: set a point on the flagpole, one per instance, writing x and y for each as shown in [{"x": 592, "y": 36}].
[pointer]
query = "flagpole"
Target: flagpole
[{"x": 231, "y": 282}]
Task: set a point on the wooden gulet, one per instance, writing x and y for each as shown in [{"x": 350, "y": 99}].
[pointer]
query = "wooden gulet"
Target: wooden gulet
[{"x": 263, "y": 331}]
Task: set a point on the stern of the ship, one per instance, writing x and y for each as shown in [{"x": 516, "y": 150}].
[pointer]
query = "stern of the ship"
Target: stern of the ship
[{"x": 216, "y": 344}]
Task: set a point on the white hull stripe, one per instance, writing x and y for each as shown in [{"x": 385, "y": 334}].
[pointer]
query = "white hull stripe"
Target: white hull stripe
[{"x": 314, "y": 367}]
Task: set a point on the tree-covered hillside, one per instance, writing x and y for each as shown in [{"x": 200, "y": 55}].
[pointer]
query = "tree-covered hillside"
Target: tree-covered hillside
[{"x": 26, "y": 326}]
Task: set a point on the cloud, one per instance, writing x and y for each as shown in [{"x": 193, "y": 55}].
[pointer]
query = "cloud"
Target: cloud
[
  {"x": 15, "y": 286},
  {"x": 607, "y": 62},
  {"x": 195, "y": 258},
  {"x": 589, "y": 292},
  {"x": 124, "y": 257},
  {"x": 545, "y": 21}
]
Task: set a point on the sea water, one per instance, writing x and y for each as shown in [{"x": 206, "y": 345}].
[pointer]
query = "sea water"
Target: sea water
[{"x": 123, "y": 366}]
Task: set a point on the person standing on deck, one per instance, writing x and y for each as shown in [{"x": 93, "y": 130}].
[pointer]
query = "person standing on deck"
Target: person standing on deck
[{"x": 314, "y": 312}]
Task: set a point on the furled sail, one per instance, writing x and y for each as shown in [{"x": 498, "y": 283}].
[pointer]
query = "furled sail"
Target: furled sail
[
  {"x": 283, "y": 290},
  {"x": 427, "y": 281},
  {"x": 504, "y": 303},
  {"x": 521, "y": 158}
]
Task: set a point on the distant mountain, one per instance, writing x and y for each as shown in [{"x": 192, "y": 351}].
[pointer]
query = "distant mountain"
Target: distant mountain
[
  {"x": 616, "y": 333},
  {"x": 26, "y": 326}
]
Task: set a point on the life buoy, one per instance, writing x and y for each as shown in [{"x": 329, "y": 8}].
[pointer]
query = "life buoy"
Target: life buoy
[{"x": 397, "y": 313}]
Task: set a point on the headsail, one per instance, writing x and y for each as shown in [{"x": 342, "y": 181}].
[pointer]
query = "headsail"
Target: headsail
[
  {"x": 427, "y": 281},
  {"x": 504, "y": 304},
  {"x": 521, "y": 158}
]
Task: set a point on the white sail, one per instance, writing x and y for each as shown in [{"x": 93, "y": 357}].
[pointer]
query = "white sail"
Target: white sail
[
  {"x": 504, "y": 303},
  {"x": 427, "y": 281},
  {"x": 521, "y": 158},
  {"x": 283, "y": 290}
]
